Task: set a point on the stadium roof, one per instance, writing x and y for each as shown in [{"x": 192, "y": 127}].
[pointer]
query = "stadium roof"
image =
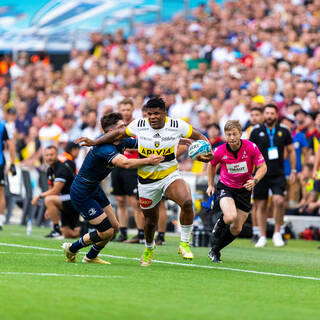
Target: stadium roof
[{"x": 57, "y": 25}]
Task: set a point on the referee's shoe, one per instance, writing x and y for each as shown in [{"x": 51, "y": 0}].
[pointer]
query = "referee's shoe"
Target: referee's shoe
[{"x": 214, "y": 256}]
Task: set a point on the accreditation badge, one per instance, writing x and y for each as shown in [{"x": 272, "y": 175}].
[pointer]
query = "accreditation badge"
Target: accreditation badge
[{"x": 273, "y": 153}]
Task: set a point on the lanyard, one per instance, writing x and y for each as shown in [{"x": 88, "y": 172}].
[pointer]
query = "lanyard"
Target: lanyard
[{"x": 271, "y": 135}]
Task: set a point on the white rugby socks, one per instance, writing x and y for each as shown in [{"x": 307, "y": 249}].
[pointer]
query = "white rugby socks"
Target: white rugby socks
[
  {"x": 186, "y": 233},
  {"x": 1, "y": 219},
  {"x": 256, "y": 230},
  {"x": 150, "y": 245}
]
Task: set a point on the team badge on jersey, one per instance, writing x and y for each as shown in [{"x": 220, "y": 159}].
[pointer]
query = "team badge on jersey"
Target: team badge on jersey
[{"x": 157, "y": 141}]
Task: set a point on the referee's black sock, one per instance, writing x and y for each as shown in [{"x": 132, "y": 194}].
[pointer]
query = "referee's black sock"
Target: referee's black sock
[
  {"x": 56, "y": 228},
  {"x": 219, "y": 228},
  {"x": 227, "y": 238},
  {"x": 124, "y": 231},
  {"x": 141, "y": 234},
  {"x": 161, "y": 235}
]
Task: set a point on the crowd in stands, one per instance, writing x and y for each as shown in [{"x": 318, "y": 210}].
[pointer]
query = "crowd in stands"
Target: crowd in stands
[{"x": 216, "y": 67}]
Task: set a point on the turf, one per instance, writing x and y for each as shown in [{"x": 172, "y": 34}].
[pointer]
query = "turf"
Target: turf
[{"x": 54, "y": 289}]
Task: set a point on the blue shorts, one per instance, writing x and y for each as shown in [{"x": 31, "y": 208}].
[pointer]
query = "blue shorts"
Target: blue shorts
[{"x": 88, "y": 200}]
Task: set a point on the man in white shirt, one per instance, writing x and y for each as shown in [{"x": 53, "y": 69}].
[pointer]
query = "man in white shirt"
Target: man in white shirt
[
  {"x": 93, "y": 131},
  {"x": 49, "y": 134}
]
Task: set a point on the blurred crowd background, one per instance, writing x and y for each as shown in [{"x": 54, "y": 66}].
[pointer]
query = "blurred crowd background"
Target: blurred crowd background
[{"x": 218, "y": 66}]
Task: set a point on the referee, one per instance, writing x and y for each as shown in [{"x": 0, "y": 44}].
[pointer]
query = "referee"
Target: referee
[{"x": 272, "y": 139}]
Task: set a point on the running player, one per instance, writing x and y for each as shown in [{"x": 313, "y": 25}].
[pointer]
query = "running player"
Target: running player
[
  {"x": 88, "y": 197},
  {"x": 237, "y": 158},
  {"x": 159, "y": 134}
]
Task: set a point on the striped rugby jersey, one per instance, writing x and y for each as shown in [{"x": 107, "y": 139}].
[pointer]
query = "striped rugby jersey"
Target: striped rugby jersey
[{"x": 162, "y": 141}]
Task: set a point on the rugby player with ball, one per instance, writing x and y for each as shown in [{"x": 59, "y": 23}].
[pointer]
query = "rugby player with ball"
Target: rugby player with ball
[{"x": 160, "y": 135}]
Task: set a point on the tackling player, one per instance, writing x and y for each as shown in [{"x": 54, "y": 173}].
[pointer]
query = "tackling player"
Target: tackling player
[
  {"x": 88, "y": 197},
  {"x": 237, "y": 158},
  {"x": 159, "y": 134}
]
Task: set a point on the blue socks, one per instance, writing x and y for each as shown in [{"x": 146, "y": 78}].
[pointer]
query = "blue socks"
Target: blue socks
[
  {"x": 94, "y": 251},
  {"x": 79, "y": 244}
]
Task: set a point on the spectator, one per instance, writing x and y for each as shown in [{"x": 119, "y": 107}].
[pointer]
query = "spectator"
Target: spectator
[
  {"x": 214, "y": 135},
  {"x": 49, "y": 134},
  {"x": 300, "y": 145},
  {"x": 31, "y": 152},
  {"x": 70, "y": 128},
  {"x": 23, "y": 120}
]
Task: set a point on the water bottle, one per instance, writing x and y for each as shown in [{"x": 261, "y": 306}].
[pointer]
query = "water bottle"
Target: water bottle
[
  {"x": 29, "y": 227},
  {"x": 196, "y": 237}
]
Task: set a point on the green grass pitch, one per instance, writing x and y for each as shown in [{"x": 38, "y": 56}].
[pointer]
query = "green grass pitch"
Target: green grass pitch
[{"x": 38, "y": 283}]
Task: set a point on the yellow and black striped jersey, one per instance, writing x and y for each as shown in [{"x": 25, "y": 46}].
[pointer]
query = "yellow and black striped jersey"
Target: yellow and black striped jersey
[{"x": 162, "y": 141}]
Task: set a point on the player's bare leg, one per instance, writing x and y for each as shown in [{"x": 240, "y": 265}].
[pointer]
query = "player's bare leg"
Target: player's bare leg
[
  {"x": 262, "y": 222},
  {"x": 162, "y": 223},
  {"x": 151, "y": 217},
  {"x": 53, "y": 205},
  {"x": 278, "y": 211},
  {"x": 179, "y": 192},
  {"x": 122, "y": 213},
  {"x": 255, "y": 226},
  {"x": 106, "y": 225},
  {"x": 139, "y": 220},
  {"x": 227, "y": 227}
]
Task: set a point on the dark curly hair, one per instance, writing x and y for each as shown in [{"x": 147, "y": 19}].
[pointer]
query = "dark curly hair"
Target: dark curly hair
[
  {"x": 110, "y": 119},
  {"x": 155, "y": 103}
]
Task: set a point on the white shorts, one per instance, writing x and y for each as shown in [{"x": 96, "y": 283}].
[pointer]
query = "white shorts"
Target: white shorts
[{"x": 151, "y": 194}]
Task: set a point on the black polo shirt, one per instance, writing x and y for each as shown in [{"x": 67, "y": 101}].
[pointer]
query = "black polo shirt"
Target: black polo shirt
[
  {"x": 282, "y": 138},
  {"x": 60, "y": 172}
]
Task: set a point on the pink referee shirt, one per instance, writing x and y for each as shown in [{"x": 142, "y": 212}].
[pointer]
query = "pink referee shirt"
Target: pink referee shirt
[{"x": 236, "y": 171}]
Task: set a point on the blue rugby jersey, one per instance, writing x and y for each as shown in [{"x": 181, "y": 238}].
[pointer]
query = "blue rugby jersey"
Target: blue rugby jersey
[{"x": 97, "y": 165}]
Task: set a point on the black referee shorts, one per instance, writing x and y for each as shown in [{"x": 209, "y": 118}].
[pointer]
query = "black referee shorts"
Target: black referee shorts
[
  {"x": 277, "y": 184},
  {"x": 241, "y": 197},
  {"x": 124, "y": 182}
]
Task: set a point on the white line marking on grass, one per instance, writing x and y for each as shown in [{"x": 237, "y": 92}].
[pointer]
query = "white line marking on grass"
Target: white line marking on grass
[
  {"x": 178, "y": 263},
  {"x": 57, "y": 275},
  {"x": 31, "y": 254}
]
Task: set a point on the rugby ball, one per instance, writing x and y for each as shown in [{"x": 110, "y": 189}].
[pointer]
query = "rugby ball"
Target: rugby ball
[{"x": 198, "y": 147}]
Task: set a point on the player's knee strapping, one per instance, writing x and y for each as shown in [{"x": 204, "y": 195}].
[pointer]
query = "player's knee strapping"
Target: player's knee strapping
[
  {"x": 104, "y": 225},
  {"x": 94, "y": 237}
]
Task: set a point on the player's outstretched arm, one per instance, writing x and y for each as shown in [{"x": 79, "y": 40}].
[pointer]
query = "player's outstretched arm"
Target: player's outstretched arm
[
  {"x": 123, "y": 162},
  {"x": 109, "y": 137}
]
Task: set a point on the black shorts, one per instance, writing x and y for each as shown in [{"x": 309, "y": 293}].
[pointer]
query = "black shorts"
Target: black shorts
[
  {"x": 124, "y": 182},
  {"x": 2, "y": 180},
  {"x": 69, "y": 215},
  {"x": 277, "y": 184},
  {"x": 241, "y": 197}
]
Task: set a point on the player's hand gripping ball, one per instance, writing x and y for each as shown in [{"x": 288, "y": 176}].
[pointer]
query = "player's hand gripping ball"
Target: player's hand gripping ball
[{"x": 198, "y": 148}]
